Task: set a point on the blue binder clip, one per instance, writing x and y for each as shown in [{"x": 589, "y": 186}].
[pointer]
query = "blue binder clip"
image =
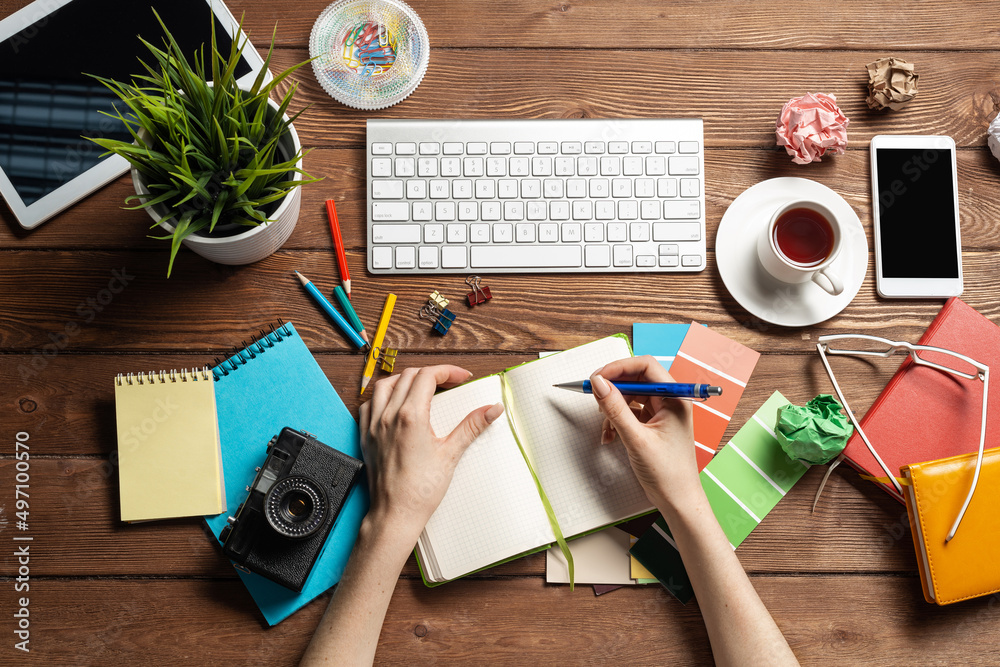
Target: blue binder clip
[{"x": 443, "y": 319}]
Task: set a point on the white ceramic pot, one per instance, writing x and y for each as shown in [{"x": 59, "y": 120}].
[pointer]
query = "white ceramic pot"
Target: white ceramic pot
[{"x": 254, "y": 243}]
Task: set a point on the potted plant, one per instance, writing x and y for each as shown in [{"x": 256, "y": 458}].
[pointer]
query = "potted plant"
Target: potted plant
[{"x": 219, "y": 167}]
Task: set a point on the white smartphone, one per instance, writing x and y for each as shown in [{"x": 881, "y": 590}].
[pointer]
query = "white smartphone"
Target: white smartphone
[{"x": 918, "y": 243}]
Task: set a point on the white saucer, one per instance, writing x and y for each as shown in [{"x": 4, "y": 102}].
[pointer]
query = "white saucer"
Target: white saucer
[{"x": 754, "y": 288}]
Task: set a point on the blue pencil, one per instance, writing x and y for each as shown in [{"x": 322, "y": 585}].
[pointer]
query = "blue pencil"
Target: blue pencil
[{"x": 337, "y": 318}]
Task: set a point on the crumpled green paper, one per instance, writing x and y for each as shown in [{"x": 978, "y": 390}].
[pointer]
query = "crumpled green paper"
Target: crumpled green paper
[{"x": 815, "y": 433}]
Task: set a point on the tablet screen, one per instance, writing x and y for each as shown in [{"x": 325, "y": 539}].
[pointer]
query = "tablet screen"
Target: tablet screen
[{"x": 47, "y": 103}]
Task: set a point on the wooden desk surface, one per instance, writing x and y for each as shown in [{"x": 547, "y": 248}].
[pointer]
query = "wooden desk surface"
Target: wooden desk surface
[{"x": 841, "y": 583}]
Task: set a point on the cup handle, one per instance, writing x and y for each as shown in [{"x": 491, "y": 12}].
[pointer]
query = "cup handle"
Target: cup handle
[{"x": 831, "y": 284}]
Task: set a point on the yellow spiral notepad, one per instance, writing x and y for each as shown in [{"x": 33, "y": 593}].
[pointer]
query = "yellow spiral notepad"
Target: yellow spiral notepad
[{"x": 169, "y": 460}]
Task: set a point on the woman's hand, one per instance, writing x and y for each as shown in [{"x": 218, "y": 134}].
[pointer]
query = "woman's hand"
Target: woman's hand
[
  {"x": 409, "y": 466},
  {"x": 658, "y": 437}
]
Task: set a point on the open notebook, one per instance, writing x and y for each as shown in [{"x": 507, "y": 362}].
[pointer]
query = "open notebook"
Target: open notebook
[{"x": 493, "y": 510}]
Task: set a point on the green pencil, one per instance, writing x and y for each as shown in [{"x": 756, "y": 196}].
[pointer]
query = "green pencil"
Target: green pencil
[{"x": 352, "y": 317}]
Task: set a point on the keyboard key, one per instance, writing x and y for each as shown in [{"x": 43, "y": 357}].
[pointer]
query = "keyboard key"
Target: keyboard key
[
  {"x": 454, "y": 148},
  {"x": 572, "y": 232},
  {"x": 690, "y": 187},
  {"x": 670, "y": 260},
  {"x": 526, "y": 257},
  {"x": 604, "y": 209},
  {"x": 422, "y": 210},
  {"x": 507, "y": 188},
  {"x": 406, "y": 257},
  {"x": 576, "y": 188},
  {"x": 628, "y": 209},
  {"x": 381, "y": 167},
  {"x": 427, "y": 257},
  {"x": 474, "y": 166},
  {"x": 638, "y": 231},
  {"x": 597, "y": 255},
  {"x": 676, "y": 231},
  {"x": 656, "y": 165},
  {"x": 690, "y": 260},
  {"x": 666, "y": 147},
  {"x": 382, "y": 149},
  {"x": 429, "y": 148},
  {"x": 531, "y": 188},
  {"x": 666, "y": 187},
  {"x": 593, "y": 232},
  {"x": 513, "y": 210},
  {"x": 537, "y": 210},
  {"x": 490, "y": 211},
  {"x": 468, "y": 211},
  {"x": 406, "y": 166},
  {"x": 524, "y": 232},
  {"x": 593, "y": 147},
  {"x": 457, "y": 233},
  {"x": 503, "y": 232},
  {"x": 586, "y": 166},
  {"x": 479, "y": 233},
  {"x": 382, "y": 257},
  {"x": 454, "y": 257},
  {"x": 451, "y": 166},
  {"x": 440, "y": 189},
  {"x": 583, "y": 210},
  {"x": 571, "y": 147},
  {"x": 559, "y": 210},
  {"x": 687, "y": 147},
  {"x": 416, "y": 189},
  {"x": 565, "y": 166},
  {"x": 645, "y": 187},
  {"x": 433, "y": 233},
  {"x": 649, "y": 210},
  {"x": 461, "y": 188},
  {"x": 632, "y": 166},
  {"x": 623, "y": 255},
  {"x": 386, "y": 189},
  {"x": 669, "y": 249},
  {"x": 548, "y": 232},
  {"x": 645, "y": 260},
  {"x": 599, "y": 188},
  {"x": 486, "y": 188},
  {"x": 496, "y": 166},
  {"x": 406, "y": 148},
  {"x": 617, "y": 231},
  {"x": 611, "y": 166},
  {"x": 683, "y": 165},
  {"x": 445, "y": 210},
  {"x": 681, "y": 210},
  {"x": 642, "y": 146},
  {"x": 524, "y": 148},
  {"x": 427, "y": 167},
  {"x": 391, "y": 211},
  {"x": 548, "y": 147},
  {"x": 541, "y": 166},
  {"x": 618, "y": 147},
  {"x": 519, "y": 166},
  {"x": 553, "y": 188},
  {"x": 500, "y": 148},
  {"x": 621, "y": 187},
  {"x": 476, "y": 148}
]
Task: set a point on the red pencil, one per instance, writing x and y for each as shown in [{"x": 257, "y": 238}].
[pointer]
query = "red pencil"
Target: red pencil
[{"x": 338, "y": 242}]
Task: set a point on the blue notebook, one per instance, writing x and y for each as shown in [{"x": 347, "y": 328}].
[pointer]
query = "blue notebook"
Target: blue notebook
[{"x": 273, "y": 383}]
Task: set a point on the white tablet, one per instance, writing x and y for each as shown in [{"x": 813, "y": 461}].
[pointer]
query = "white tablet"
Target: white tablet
[{"x": 47, "y": 104}]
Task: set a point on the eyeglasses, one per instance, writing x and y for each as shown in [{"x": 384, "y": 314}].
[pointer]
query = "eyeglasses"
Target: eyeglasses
[{"x": 937, "y": 358}]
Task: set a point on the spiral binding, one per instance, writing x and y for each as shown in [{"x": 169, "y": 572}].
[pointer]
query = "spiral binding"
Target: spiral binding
[
  {"x": 161, "y": 377},
  {"x": 258, "y": 345}
]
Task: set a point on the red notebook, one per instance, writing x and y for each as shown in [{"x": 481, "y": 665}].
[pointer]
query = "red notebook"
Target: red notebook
[{"x": 924, "y": 414}]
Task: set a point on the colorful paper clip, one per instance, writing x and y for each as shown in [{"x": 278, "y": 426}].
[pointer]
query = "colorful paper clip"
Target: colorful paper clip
[
  {"x": 387, "y": 358},
  {"x": 438, "y": 301},
  {"x": 480, "y": 293},
  {"x": 443, "y": 319}
]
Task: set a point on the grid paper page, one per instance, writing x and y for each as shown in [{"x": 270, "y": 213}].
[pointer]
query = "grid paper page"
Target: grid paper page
[
  {"x": 491, "y": 510},
  {"x": 588, "y": 485}
]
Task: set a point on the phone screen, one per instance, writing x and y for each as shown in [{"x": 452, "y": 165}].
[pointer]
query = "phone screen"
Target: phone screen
[{"x": 916, "y": 213}]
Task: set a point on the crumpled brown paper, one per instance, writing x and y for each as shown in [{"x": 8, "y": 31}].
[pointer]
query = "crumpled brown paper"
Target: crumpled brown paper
[{"x": 891, "y": 83}]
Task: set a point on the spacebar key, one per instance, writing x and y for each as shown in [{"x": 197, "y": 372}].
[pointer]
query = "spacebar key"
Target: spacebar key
[{"x": 526, "y": 257}]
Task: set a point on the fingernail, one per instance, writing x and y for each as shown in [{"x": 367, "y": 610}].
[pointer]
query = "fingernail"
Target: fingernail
[
  {"x": 469, "y": 375},
  {"x": 599, "y": 386},
  {"x": 607, "y": 435},
  {"x": 494, "y": 412}
]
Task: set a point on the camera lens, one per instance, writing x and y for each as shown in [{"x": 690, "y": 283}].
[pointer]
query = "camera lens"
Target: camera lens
[{"x": 295, "y": 507}]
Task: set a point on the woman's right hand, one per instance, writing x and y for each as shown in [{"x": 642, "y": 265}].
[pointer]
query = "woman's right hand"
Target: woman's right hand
[{"x": 659, "y": 437}]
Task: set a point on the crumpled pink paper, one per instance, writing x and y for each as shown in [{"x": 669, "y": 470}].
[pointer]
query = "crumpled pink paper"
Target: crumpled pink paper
[{"x": 811, "y": 126}]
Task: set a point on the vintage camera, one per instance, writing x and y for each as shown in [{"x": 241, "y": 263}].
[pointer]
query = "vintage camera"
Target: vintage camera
[{"x": 280, "y": 528}]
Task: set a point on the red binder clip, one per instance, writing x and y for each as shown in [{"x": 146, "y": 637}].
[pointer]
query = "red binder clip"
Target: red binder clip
[{"x": 479, "y": 294}]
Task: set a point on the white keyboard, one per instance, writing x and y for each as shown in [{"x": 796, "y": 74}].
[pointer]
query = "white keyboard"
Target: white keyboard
[{"x": 525, "y": 196}]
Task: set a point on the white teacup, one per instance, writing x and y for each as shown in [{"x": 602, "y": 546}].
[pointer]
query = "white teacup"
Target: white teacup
[{"x": 817, "y": 269}]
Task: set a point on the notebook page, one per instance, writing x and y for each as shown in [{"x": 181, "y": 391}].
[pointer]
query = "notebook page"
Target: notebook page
[
  {"x": 588, "y": 485},
  {"x": 491, "y": 510}
]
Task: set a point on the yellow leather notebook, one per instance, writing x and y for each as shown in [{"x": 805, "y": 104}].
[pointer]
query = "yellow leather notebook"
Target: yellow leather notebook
[
  {"x": 169, "y": 459},
  {"x": 965, "y": 567}
]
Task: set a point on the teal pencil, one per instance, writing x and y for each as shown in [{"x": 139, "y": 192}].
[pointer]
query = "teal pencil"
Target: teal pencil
[
  {"x": 328, "y": 308},
  {"x": 345, "y": 304}
]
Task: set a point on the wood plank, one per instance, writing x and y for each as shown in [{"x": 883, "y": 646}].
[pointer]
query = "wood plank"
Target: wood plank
[
  {"x": 128, "y": 623},
  {"x": 728, "y": 173},
  {"x": 73, "y": 510},
  {"x": 600, "y": 24},
  {"x": 205, "y": 307}
]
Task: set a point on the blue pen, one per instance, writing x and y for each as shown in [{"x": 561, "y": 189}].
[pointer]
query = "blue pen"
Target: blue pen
[
  {"x": 662, "y": 389},
  {"x": 332, "y": 312}
]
